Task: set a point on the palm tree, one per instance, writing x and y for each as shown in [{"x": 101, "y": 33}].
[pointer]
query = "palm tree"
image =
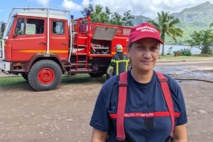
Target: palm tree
[
  {"x": 166, "y": 24},
  {"x": 211, "y": 25}
]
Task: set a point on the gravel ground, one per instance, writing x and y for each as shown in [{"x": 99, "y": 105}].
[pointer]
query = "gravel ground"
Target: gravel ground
[{"x": 63, "y": 115}]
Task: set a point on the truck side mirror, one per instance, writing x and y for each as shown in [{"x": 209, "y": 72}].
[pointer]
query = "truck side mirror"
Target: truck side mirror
[{"x": 3, "y": 27}]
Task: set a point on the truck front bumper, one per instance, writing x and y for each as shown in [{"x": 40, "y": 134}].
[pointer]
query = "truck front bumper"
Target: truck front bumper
[{"x": 4, "y": 66}]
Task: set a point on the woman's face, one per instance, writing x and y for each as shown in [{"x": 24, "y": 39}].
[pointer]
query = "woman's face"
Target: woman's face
[{"x": 144, "y": 54}]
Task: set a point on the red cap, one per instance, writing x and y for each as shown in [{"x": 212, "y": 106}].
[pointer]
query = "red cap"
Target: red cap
[{"x": 144, "y": 30}]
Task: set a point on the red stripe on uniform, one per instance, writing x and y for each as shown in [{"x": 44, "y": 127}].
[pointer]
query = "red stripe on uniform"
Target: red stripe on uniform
[{"x": 146, "y": 115}]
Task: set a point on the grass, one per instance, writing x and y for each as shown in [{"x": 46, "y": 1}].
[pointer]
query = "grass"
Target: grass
[
  {"x": 172, "y": 57},
  {"x": 19, "y": 82},
  {"x": 13, "y": 81}
]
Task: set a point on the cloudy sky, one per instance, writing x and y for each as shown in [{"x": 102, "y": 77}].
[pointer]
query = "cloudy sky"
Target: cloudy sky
[{"x": 147, "y": 8}]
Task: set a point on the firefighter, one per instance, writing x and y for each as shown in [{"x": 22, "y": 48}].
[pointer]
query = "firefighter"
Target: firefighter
[
  {"x": 119, "y": 62},
  {"x": 140, "y": 105}
]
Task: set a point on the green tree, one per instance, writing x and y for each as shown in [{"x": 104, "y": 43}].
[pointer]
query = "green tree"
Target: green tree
[
  {"x": 166, "y": 24},
  {"x": 202, "y": 40},
  {"x": 127, "y": 18},
  {"x": 104, "y": 15}
]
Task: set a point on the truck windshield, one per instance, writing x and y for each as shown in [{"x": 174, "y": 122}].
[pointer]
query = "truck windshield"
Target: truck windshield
[{"x": 9, "y": 26}]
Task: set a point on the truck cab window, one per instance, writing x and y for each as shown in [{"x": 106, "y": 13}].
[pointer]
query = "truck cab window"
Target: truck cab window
[
  {"x": 9, "y": 27},
  {"x": 34, "y": 26},
  {"x": 58, "y": 28},
  {"x": 20, "y": 26}
]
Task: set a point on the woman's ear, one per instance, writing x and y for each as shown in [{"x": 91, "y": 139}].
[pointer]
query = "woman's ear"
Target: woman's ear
[{"x": 128, "y": 50}]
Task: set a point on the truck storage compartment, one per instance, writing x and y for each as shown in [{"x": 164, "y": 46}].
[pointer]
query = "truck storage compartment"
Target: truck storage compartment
[
  {"x": 100, "y": 47},
  {"x": 102, "y": 40}
]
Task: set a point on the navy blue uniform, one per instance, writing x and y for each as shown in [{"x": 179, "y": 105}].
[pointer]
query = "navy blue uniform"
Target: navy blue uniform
[
  {"x": 144, "y": 98},
  {"x": 119, "y": 62}
]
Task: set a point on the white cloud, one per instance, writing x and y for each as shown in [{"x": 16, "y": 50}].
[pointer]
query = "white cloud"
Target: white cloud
[
  {"x": 69, "y": 4},
  {"x": 85, "y": 3},
  {"x": 138, "y": 7},
  {"x": 42, "y": 2}
]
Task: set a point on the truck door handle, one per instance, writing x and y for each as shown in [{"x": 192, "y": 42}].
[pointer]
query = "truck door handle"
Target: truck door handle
[
  {"x": 43, "y": 43},
  {"x": 63, "y": 44}
]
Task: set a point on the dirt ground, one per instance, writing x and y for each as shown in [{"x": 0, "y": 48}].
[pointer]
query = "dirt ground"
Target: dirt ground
[{"x": 63, "y": 115}]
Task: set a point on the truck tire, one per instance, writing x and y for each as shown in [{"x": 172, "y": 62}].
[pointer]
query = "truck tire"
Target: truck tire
[
  {"x": 45, "y": 75},
  {"x": 100, "y": 74},
  {"x": 24, "y": 75},
  {"x": 107, "y": 76}
]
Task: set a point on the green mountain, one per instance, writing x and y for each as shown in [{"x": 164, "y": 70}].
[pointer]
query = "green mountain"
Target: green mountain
[
  {"x": 193, "y": 19},
  {"x": 140, "y": 19}
]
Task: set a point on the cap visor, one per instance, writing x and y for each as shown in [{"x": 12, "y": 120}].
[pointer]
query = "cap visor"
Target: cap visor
[{"x": 143, "y": 37}]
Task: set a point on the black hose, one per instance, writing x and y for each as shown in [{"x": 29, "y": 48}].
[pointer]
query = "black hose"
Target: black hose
[{"x": 194, "y": 79}]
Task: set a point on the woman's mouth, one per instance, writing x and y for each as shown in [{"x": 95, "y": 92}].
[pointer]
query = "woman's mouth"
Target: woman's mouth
[{"x": 147, "y": 62}]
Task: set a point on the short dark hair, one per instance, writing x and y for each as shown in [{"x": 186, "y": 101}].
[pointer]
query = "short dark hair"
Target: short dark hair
[{"x": 129, "y": 44}]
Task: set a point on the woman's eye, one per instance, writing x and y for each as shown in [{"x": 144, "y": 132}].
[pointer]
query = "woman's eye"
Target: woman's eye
[
  {"x": 154, "y": 48},
  {"x": 140, "y": 47}
]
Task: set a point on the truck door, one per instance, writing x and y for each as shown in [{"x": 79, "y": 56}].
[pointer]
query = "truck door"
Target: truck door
[
  {"x": 29, "y": 38},
  {"x": 59, "y": 38}
]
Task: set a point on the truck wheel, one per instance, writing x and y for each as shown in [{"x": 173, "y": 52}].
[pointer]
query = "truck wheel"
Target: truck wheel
[
  {"x": 107, "y": 76},
  {"x": 96, "y": 74},
  {"x": 24, "y": 75},
  {"x": 45, "y": 75}
]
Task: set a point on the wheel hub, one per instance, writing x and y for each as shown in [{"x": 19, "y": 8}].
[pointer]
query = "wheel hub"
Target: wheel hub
[{"x": 46, "y": 76}]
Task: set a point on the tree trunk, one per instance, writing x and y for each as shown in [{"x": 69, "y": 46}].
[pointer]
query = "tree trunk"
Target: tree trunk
[
  {"x": 162, "y": 54},
  {"x": 162, "y": 50}
]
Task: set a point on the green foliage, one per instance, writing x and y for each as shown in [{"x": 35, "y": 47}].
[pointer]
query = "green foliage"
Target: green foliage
[
  {"x": 166, "y": 24},
  {"x": 211, "y": 25},
  {"x": 104, "y": 15},
  {"x": 183, "y": 52},
  {"x": 202, "y": 40}
]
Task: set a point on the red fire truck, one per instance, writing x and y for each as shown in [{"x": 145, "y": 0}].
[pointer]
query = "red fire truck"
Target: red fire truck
[{"x": 42, "y": 44}]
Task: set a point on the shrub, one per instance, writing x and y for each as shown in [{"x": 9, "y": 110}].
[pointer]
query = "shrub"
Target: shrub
[{"x": 183, "y": 52}]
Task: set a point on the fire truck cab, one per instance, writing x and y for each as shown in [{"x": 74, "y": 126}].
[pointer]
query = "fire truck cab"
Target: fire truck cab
[{"x": 42, "y": 44}]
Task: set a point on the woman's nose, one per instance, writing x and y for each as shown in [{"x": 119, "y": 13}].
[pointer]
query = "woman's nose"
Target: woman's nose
[{"x": 147, "y": 54}]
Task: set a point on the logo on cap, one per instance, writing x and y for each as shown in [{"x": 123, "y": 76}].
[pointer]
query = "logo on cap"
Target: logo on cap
[{"x": 146, "y": 29}]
